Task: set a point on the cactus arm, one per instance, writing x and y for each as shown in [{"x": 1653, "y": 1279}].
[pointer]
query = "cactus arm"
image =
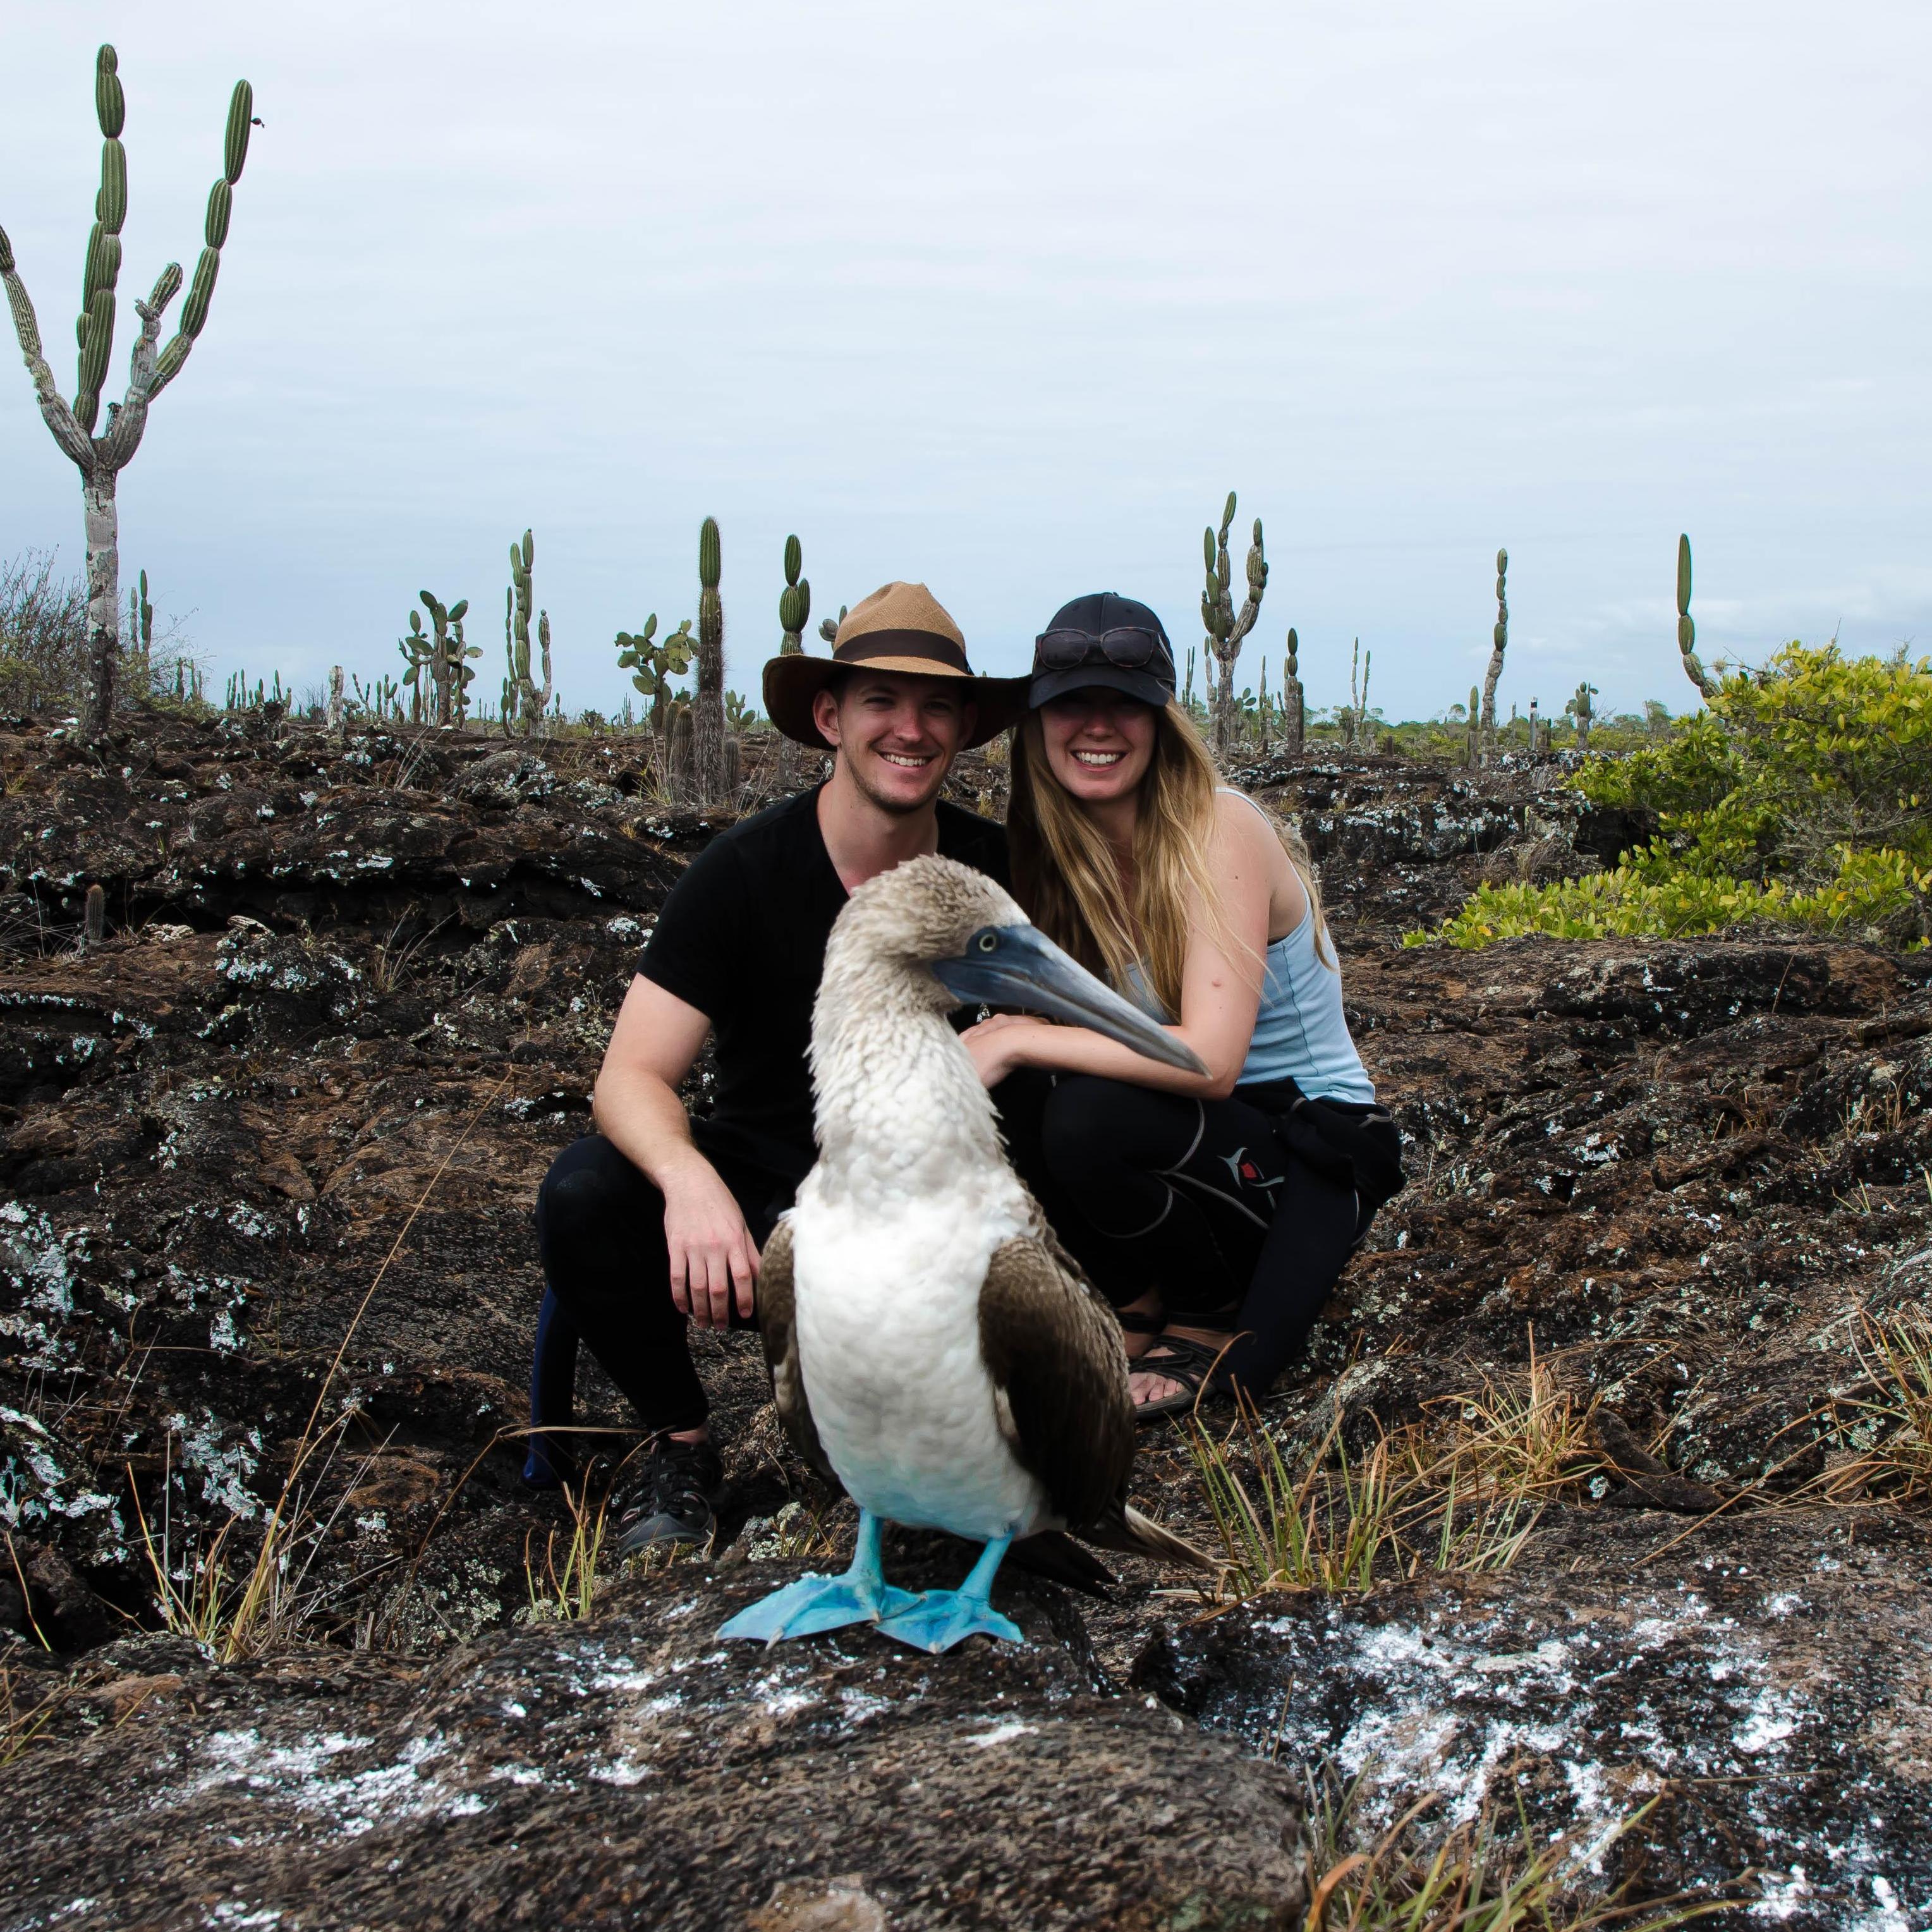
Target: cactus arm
[
  {"x": 214, "y": 232},
  {"x": 1687, "y": 629},
  {"x": 1251, "y": 606},
  {"x": 127, "y": 420},
  {"x": 74, "y": 442}
]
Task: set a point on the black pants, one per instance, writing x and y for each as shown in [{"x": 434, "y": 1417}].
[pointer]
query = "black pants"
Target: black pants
[
  {"x": 1202, "y": 1200},
  {"x": 600, "y": 1231}
]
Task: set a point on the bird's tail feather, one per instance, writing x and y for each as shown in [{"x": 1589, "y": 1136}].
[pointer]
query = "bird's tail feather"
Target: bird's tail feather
[
  {"x": 1053, "y": 1554},
  {"x": 1134, "y": 1534}
]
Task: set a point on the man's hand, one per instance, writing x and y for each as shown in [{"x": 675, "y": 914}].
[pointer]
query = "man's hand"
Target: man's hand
[{"x": 714, "y": 1261}]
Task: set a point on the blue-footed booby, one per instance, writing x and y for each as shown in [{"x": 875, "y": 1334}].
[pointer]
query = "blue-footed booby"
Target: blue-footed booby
[{"x": 931, "y": 1344}]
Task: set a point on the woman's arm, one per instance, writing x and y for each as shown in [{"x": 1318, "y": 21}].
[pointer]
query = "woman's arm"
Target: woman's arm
[{"x": 1220, "y": 994}]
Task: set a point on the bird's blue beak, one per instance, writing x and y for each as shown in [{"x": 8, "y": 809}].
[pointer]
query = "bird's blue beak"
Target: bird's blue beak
[{"x": 1019, "y": 966}]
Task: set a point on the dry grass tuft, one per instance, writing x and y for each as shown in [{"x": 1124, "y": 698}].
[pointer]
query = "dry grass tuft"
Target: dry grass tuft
[
  {"x": 1895, "y": 1407},
  {"x": 1459, "y": 1491},
  {"x": 1463, "y": 1878}
]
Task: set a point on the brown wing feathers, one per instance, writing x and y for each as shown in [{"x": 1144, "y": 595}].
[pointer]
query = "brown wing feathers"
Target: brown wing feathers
[
  {"x": 780, "y": 1338},
  {"x": 1051, "y": 1348}
]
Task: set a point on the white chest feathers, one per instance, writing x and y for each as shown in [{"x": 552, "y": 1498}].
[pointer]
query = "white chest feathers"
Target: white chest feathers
[{"x": 886, "y": 1307}]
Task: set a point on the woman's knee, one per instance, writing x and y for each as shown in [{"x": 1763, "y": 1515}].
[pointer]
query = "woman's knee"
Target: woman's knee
[{"x": 1090, "y": 1125}]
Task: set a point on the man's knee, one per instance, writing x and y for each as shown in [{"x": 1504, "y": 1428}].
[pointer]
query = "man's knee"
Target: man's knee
[{"x": 591, "y": 1199}]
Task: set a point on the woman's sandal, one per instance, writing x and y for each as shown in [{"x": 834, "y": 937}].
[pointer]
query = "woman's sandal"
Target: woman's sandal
[
  {"x": 1140, "y": 1321},
  {"x": 1185, "y": 1361}
]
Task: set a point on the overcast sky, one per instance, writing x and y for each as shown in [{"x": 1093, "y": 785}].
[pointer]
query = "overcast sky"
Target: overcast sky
[{"x": 1007, "y": 298}]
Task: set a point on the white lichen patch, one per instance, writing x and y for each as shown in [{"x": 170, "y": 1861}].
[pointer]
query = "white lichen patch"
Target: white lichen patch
[
  {"x": 203, "y": 1447},
  {"x": 308, "y": 1774},
  {"x": 34, "y": 1265}
]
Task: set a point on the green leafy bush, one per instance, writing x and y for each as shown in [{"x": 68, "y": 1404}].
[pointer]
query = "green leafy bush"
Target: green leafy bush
[{"x": 1802, "y": 796}]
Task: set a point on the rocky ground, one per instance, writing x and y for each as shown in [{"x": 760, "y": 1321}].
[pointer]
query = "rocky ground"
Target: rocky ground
[{"x": 350, "y": 1001}]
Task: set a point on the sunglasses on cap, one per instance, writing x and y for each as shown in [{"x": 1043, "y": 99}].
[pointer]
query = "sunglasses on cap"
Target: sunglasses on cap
[{"x": 1132, "y": 647}]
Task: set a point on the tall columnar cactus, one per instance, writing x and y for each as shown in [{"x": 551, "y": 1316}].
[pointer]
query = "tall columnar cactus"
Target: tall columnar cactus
[
  {"x": 1472, "y": 750},
  {"x": 1686, "y": 630},
  {"x": 1294, "y": 701},
  {"x": 707, "y": 709},
  {"x": 101, "y": 459},
  {"x": 524, "y": 702},
  {"x": 794, "y": 601},
  {"x": 141, "y": 636},
  {"x": 794, "y": 613},
  {"x": 1500, "y": 642},
  {"x": 1225, "y": 628}
]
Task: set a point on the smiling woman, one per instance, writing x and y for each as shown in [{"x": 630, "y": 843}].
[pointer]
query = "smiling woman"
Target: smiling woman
[{"x": 1214, "y": 1204}]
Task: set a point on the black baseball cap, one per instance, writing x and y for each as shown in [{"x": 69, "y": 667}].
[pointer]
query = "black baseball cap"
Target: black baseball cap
[{"x": 1102, "y": 639}]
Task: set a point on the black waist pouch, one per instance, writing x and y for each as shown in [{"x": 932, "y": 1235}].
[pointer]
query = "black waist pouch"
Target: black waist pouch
[{"x": 1351, "y": 1141}]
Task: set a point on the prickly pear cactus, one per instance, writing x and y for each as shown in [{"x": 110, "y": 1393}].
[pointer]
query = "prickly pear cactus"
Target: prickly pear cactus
[
  {"x": 418, "y": 653},
  {"x": 1581, "y": 709},
  {"x": 828, "y": 627}
]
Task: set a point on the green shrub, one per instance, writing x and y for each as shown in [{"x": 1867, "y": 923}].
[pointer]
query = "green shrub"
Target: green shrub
[{"x": 1803, "y": 795}]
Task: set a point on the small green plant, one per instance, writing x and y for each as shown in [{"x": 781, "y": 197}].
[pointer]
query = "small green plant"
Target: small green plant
[
  {"x": 739, "y": 714},
  {"x": 240, "y": 698},
  {"x": 566, "y": 1593},
  {"x": 1324, "y": 1530},
  {"x": 1802, "y": 795}
]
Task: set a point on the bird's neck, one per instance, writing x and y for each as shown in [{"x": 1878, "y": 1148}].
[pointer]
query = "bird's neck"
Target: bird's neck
[{"x": 900, "y": 1107}]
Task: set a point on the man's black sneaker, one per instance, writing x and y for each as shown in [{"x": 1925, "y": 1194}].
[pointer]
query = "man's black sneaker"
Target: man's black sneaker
[{"x": 668, "y": 1495}]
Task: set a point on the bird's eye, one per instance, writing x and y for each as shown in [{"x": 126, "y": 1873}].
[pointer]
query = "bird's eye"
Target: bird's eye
[{"x": 989, "y": 942}]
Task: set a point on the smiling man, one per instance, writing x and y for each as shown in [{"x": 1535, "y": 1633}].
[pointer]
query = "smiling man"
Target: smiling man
[{"x": 656, "y": 1219}]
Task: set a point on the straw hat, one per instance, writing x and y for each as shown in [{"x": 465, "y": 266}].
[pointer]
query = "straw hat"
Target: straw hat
[{"x": 900, "y": 627}]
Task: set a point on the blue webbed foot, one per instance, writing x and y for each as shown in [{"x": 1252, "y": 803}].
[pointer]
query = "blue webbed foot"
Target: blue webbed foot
[
  {"x": 940, "y": 1618},
  {"x": 815, "y": 1603}
]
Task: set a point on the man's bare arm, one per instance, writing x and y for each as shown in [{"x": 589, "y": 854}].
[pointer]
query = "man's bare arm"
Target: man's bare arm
[{"x": 713, "y": 1258}]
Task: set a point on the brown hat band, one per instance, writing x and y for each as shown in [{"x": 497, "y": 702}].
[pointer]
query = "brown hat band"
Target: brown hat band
[{"x": 903, "y": 644}]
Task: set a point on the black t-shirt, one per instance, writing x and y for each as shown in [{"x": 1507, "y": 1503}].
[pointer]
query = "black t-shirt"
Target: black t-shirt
[{"x": 742, "y": 937}]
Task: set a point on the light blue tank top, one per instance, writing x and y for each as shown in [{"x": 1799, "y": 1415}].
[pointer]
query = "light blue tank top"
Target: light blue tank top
[{"x": 1301, "y": 1032}]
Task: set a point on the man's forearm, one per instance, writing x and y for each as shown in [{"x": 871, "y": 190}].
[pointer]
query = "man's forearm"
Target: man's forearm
[{"x": 643, "y": 1119}]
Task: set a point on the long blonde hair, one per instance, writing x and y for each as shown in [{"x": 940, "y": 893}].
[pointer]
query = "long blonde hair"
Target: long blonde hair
[{"x": 1067, "y": 882}]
